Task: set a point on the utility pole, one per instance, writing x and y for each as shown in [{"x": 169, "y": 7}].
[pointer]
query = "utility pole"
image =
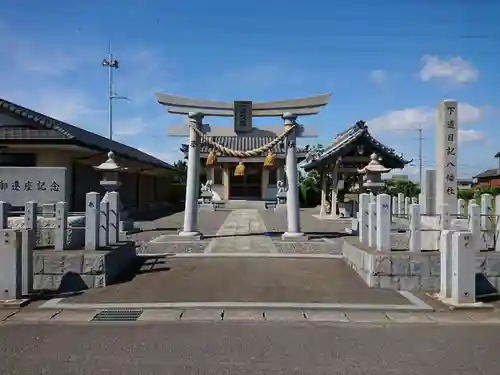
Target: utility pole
[
  {"x": 420, "y": 160},
  {"x": 111, "y": 64}
]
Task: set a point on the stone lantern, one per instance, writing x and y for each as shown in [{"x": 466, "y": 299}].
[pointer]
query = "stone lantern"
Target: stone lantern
[
  {"x": 111, "y": 182},
  {"x": 373, "y": 174}
]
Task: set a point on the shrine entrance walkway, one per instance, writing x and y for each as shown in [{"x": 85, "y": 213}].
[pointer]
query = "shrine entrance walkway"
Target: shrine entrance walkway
[{"x": 241, "y": 231}]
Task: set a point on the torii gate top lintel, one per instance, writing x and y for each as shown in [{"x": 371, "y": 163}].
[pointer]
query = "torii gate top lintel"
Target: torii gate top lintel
[{"x": 300, "y": 107}]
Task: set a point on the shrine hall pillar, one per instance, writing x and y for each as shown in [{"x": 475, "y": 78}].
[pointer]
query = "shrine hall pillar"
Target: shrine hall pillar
[
  {"x": 193, "y": 171},
  {"x": 292, "y": 201}
]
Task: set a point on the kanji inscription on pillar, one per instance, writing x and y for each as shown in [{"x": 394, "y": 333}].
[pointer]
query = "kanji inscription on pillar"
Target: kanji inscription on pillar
[{"x": 447, "y": 153}]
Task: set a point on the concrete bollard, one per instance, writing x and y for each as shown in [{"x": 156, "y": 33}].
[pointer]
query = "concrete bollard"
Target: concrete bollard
[
  {"x": 372, "y": 224},
  {"x": 113, "y": 217},
  {"x": 445, "y": 247},
  {"x": 475, "y": 226},
  {"x": 415, "y": 244},
  {"x": 407, "y": 206},
  {"x": 461, "y": 207},
  {"x": 92, "y": 213},
  {"x": 10, "y": 264},
  {"x": 383, "y": 219},
  {"x": 4, "y": 214},
  {"x": 464, "y": 269},
  {"x": 61, "y": 225},
  {"x": 487, "y": 227},
  {"x": 394, "y": 206},
  {"x": 497, "y": 226},
  {"x": 103, "y": 224},
  {"x": 364, "y": 200},
  {"x": 401, "y": 204}
]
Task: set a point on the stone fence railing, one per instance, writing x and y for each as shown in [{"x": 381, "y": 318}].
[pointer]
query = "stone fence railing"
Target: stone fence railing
[{"x": 100, "y": 226}]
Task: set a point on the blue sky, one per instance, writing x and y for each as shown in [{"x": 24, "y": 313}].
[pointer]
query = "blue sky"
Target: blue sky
[{"x": 389, "y": 63}]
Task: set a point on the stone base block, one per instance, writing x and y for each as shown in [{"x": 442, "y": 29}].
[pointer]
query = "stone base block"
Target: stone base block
[
  {"x": 404, "y": 270},
  {"x": 295, "y": 237},
  {"x": 190, "y": 236},
  {"x": 126, "y": 225},
  {"x": 280, "y": 208},
  {"x": 206, "y": 207},
  {"x": 70, "y": 271}
]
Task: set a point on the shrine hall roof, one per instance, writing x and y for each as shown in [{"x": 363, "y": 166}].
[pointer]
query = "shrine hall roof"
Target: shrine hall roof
[
  {"x": 40, "y": 128},
  {"x": 242, "y": 143},
  {"x": 345, "y": 139}
]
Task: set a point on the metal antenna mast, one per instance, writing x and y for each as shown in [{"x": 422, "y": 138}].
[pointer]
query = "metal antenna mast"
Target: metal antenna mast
[{"x": 111, "y": 64}]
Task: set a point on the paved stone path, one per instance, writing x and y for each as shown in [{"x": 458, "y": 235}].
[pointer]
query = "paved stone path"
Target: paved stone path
[{"x": 242, "y": 232}]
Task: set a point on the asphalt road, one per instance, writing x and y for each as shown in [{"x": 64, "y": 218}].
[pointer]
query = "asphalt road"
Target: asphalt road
[{"x": 264, "y": 348}]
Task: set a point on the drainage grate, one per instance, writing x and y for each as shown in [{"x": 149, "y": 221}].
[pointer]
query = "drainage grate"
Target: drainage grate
[{"x": 117, "y": 315}]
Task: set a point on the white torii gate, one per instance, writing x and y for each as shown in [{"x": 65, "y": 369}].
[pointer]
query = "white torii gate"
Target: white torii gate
[{"x": 242, "y": 111}]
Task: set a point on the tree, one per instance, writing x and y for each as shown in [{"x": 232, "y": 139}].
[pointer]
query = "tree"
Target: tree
[
  {"x": 180, "y": 171},
  {"x": 408, "y": 188}
]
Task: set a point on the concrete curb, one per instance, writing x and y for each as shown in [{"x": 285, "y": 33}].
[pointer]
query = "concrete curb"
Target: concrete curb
[
  {"x": 242, "y": 255},
  {"x": 416, "y": 305}
]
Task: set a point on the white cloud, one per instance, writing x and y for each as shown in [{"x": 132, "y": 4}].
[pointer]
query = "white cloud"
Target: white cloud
[
  {"x": 455, "y": 69},
  {"x": 411, "y": 119},
  {"x": 378, "y": 76},
  {"x": 130, "y": 127},
  {"x": 471, "y": 135}
]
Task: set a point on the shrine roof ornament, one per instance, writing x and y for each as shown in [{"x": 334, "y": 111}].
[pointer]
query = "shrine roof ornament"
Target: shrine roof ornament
[
  {"x": 300, "y": 107},
  {"x": 346, "y": 138}
]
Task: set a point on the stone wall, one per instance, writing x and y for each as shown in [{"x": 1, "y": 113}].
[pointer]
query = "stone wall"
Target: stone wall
[
  {"x": 403, "y": 270},
  {"x": 78, "y": 270}
]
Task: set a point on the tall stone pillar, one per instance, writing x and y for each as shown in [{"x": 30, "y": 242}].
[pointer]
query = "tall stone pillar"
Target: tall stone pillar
[
  {"x": 190, "y": 228},
  {"x": 324, "y": 193},
  {"x": 292, "y": 201},
  {"x": 447, "y": 155},
  {"x": 335, "y": 188}
]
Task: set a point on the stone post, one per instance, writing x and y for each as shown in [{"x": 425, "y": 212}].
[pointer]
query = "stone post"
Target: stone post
[
  {"x": 373, "y": 198},
  {"x": 364, "y": 230},
  {"x": 4, "y": 214},
  {"x": 60, "y": 230},
  {"x": 429, "y": 191},
  {"x": 324, "y": 193},
  {"x": 421, "y": 202},
  {"x": 444, "y": 217},
  {"x": 415, "y": 244},
  {"x": 113, "y": 217},
  {"x": 401, "y": 204},
  {"x": 475, "y": 226},
  {"x": 461, "y": 208},
  {"x": 92, "y": 201},
  {"x": 11, "y": 280},
  {"x": 190, "y": 228},
  {"x": 292, "y": 201},
  {"x": 445, "y": 247},
  {"x": 28, "y": 244},
  {"x": 372, "y": 224},
  {"x": 463, "y": 262},
  {"x": 383, "y": 219},
  {"x": 487, "y": 221},
  {"x": 394, "y": 205},
  {"x": 335, "y": 185},
  {"x": 103, "y": 224},
  {"x": 447, "y": 154},
  {"x": 30, "y": 215},
  {"x": 407, "y": 206},
  {"x": 497, "y": 229}
]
